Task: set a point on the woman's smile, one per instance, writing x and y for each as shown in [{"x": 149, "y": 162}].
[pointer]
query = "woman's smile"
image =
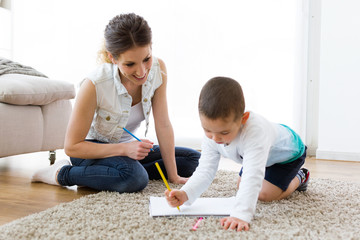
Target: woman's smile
[{"x": 140, "y": 78}]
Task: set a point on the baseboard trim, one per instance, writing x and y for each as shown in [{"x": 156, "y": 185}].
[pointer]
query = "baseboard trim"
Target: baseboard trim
[
  {"x": 332, "y": 155},
  {"x": 311, "y": 151}
]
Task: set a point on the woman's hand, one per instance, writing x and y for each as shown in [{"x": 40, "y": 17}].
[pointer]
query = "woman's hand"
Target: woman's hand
[
  {"x": 138, "y": 150},
  {"x": 176, "y": 197},
  {"x": 178, "y": 180},
  {"x": 234, "y": 223}
]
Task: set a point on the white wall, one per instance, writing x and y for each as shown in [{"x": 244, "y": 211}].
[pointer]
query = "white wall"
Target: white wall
[
  {"x": 256, "y": 42},
  {"x": 339, "y": 95},
  {"x": 5, "y": 30},
  {"x": 60, "y": 38}
]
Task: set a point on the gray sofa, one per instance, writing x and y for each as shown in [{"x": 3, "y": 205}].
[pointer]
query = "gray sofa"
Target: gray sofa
[{"x": 34, "y": 113}]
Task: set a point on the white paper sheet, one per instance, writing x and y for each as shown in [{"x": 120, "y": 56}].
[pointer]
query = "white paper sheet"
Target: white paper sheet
[{"x": 220, "y": 207}]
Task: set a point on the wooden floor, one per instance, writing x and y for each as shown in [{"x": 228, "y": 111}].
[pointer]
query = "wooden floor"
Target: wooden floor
[{"x": 19, "y": 197}]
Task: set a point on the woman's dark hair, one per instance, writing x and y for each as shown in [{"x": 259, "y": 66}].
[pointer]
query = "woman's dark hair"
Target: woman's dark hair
[
  {"x": 220, "y": 97},
  {"x": 123, "y": 32}
]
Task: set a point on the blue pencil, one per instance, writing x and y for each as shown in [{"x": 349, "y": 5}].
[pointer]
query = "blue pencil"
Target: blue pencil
[{"x": 135, "y": 136}]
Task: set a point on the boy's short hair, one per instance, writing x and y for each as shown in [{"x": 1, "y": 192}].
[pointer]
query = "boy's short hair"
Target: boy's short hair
[{"x": 220, "y": 97}]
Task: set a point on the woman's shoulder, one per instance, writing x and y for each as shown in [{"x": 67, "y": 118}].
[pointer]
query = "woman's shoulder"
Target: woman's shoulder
[
  {"x": 159, "y": 63},
  {"x": 101, "y": 73},
  {"x": 157, "y": 74}
]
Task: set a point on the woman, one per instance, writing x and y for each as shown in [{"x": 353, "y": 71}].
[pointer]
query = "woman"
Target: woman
[{"x": 118, "y": 94}]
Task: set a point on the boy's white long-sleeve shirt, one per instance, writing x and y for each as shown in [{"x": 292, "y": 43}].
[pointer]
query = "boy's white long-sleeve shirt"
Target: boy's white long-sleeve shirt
[{"x": 259, "y": 144}]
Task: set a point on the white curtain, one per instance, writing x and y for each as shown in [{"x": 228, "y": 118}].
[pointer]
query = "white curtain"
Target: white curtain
[{"x": 259, "y": 43}]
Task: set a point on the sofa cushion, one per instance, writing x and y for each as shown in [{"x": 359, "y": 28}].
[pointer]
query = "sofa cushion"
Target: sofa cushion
[{"x": 22, "y": 89}]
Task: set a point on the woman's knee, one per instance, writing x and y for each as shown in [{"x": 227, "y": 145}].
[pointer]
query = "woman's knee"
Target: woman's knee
[
  {"x": 132, "y": 183},
  {"x": 133, "y": 179},
  {"x": 138, "y": 183},
  {"x": 187, "y": 161},
  {"x": 195, "y": 156},
  {"x": 194, "y": 160}
]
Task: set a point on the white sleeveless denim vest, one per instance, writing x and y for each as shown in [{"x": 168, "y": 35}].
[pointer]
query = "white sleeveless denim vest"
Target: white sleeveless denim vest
[{"x": 114, "y": 102}]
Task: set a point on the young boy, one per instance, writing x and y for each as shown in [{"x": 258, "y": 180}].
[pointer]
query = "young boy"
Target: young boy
[{"x": 271, "y": 154}]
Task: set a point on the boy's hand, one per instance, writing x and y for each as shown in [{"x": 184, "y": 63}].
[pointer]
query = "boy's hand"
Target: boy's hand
[
  {"x": 234, "y": 223},
  {"x": 176, "y": 198}
]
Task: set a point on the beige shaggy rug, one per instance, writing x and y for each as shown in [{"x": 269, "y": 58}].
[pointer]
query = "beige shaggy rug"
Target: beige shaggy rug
[{"x": 328, "y": 210}]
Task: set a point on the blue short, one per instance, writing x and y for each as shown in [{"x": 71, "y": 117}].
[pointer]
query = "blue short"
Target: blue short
[{"x": 281, "y": 175}]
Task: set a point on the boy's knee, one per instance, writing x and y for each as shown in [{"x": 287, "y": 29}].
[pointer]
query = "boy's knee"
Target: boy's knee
[
  {"x": 265, "y": 196},
  {"x": 238, "y": 182}
]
